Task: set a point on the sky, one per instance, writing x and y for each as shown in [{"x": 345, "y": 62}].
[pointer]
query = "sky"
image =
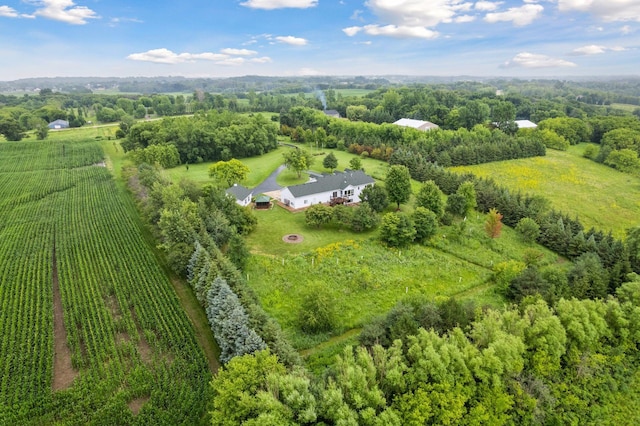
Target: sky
[{"x": 223, "y": 38}]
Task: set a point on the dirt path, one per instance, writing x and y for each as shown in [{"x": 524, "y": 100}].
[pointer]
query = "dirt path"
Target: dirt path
[
  {"x": 336, "y": 340},
  {"x": 198, "y": 318},
  {"x": 63, "y": 372}
]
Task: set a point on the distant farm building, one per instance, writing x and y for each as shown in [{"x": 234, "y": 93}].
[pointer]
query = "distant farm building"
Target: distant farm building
[
  {"x": 526, "y": 124},
  {"x": 58, "y": 124},
  {"x": 346, "y": 186},
  {"x": 332, "y": 113},
  {"x": 241, "y": 194},
  {"x": 416, "y": 124}
]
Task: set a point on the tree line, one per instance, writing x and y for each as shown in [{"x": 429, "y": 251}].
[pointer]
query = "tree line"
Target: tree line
[{"x": 211, "y": 136}]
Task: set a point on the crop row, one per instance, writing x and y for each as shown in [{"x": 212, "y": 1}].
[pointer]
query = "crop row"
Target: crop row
[{"x": 113, "y": 291}]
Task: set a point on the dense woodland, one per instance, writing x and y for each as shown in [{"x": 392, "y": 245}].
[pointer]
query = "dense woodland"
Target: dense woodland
[{"x": 565, "y": 347}]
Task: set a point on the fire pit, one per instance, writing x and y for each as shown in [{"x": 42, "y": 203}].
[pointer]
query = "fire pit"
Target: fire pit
[{"x": 293, "y": 238}]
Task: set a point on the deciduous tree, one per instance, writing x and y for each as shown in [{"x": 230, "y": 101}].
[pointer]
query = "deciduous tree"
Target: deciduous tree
[
  {"x": 396, "y": 230},
  {"x": 398, "y": 184},
  {"x": 431, "y": 197},
  {"x": 425, "y": 223},
  {"x": 298, "y": 160},
  {"x": 229, "y": 172},
  {"x": 375, "y": 196}
]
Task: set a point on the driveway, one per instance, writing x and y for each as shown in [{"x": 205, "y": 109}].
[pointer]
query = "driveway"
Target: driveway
[{"x": 269, "y": 184}]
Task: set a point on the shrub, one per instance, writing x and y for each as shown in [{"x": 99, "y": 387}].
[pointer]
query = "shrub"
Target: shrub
[{"x": 317, "y": 312}]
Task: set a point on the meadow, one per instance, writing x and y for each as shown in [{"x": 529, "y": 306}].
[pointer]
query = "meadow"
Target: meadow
[
  {"x": 365, "y": 278},
  {"x": 599, "y": 195}
]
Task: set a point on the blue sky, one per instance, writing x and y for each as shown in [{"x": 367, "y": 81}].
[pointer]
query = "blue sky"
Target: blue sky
[{"x": 221, "y": 38}]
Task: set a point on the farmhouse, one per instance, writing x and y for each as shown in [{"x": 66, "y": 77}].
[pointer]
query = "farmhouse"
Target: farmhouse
[
  {"x": 347, "y": 185},
  {"x": 58, "y": 124},
  {"x": 241, "y": 194},
  {"x": 416, "y": 124}
]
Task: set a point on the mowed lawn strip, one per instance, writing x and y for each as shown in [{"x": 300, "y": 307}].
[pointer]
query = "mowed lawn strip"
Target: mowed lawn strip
[{"x": 600, "y": 196}]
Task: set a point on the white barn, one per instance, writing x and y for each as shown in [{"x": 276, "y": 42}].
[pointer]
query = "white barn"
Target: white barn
[
  {"x": 347, "y": 185},
  {"x": 416, "y": 124},
  {"x": 526, "y": 124}
]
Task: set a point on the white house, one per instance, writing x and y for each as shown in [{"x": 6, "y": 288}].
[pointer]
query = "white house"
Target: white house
[
  {"x": 416, "y": 124},
  {"x": 241, "y": 194},
  {"x": 347, "y": 185}
]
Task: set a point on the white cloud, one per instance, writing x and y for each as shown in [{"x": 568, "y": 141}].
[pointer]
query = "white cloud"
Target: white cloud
[
  {"x": 279, "y": 4},
  {"x": 464, "y": 18},
  {"x": 238, "y": 52},
  {"x": 487, "y": 6},
  {"x": 262, "y": 60},
  {"x": 8, "y": 12},
  {"x": 232, "y": 62},
  {"x": 418, "y": 13},
  {"x": 351, "y": 31},
  {"x": 595, "y": 50},
  {"x": 520, "y": 16},
  {"x": 392, "y": 31},
  {"x": 400, "y": 31},
  {"x": 65, "y": 11},
  {"x": 294, "y": 41},
  {"x": 114, "y": 22},
  {"x": 532, "y": 60},
  {"x": 607, "y": 10},
  {"x": 592, "y": 49},
  {"x": 356, "y": 15},
  {"x": 166, "y": 56},
  {"x": 626, "y": 29}
]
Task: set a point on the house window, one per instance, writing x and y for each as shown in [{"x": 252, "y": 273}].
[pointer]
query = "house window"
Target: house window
[
  {"x": 348, "y": 193},
  {"x": 306, "y": 201}
]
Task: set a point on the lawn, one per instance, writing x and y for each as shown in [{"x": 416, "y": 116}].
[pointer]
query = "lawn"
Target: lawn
[
  {"x": 275, "y": 223},
  {"x": 259, "y": 168},
  {"x": 599, "y": 195}
]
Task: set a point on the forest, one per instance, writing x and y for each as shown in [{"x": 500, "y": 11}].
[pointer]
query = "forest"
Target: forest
[{"x": 543, "y": 326}]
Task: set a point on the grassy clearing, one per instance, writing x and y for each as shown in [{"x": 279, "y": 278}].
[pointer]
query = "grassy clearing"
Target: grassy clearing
[
  {"x": 365, "y": 278},
  {"x": 353, "y": 92},
  {"x": 599, "y": 195},
  {"x": 625, "y": 107}
]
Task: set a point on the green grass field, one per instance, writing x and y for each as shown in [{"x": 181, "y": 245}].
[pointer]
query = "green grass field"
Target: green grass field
[
  {"x": 599, "y": 195},
  {"x": 353, "y": 92},
  {"x": 625, "y": 107}
]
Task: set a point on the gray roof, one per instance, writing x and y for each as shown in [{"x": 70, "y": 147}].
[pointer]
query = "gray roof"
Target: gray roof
[
  {"x": 332, "y": 182},
  {"x": 239, "y": 191},
  {"x": 59, "y": 122}
]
